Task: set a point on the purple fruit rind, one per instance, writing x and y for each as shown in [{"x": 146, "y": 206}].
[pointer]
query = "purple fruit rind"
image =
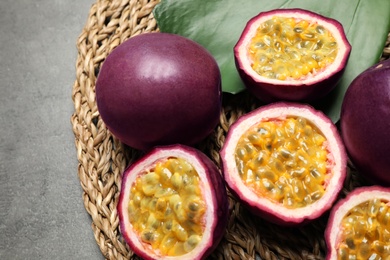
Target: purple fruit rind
[
  {"x": 219, "y": 197},
  {"x": 365, "y": 123},
  {"x": 159, "y": 89},
  {"x": 269, "y": 93},
  {"x": 269, "y": 213},
  {"x": 318, "y": 88}
]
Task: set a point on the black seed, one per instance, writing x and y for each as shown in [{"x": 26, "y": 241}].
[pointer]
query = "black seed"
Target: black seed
[
  {"x": 350, "y": 243},
  {"x": 193, "y": 206},
  {"x": 320, "y": 29},
  {"x": 147, "y": 236}
]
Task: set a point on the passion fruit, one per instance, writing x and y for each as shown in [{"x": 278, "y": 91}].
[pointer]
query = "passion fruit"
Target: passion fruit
[
  {"x": 173, "y": 204},
  {"x": 159, "y": 89},
  {"x": 285, "y": 162},
  {"x": 291, "y": 54},
  {"x": 359, "y": 225},
  {"x": 365, "y": 123}
]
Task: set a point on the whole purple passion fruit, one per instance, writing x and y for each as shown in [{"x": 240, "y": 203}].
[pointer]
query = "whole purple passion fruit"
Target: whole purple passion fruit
[
  {"x": 159, "y": 89},
  {"x": 173, "y": 204},
  {"x": 359, "y": 225},
  {"x": 365, "y": 123},
  {"x": 291, "y": 54},
  {"x": 285, "y": 162}
]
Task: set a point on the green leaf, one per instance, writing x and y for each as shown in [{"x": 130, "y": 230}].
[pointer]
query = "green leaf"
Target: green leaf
[{"x": 218, "y": 24}]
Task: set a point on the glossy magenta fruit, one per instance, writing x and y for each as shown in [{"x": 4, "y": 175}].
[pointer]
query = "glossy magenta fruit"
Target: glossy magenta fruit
[
  {"x": 365, "y": 123},
  {"x": 159, "y": 89}
]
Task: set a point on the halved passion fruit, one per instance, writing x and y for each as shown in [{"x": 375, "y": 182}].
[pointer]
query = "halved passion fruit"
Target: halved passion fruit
[
  {"x": 359, "y": 225},
  {"x": 173, "y": 204},
  {"x": 285, "y": 161},
  {"x": 291, "y": 54}
]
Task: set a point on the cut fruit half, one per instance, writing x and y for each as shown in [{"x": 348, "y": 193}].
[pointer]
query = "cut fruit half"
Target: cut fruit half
[
  {"x": 359, "y": 225},
  {"x": 173, "y": 204},
  {"x": 285, "y": 162},
  {"x": 291, "y": 54}
]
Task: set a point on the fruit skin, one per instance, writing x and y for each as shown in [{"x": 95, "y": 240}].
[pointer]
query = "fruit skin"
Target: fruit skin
[
  {"x": 262, "y": 207},
  {"x": 159, "y": 89},
  {"x": 218, "y": 199},
  {"x": 354, "y": 198},
  {"x": 365, "y": 123},
  {"x": 277, "y": 90}
]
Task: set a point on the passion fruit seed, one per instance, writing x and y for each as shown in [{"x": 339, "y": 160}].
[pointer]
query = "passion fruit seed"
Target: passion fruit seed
[
  {"x": 365, "y": 231},
  {"x": 166, "y": 207},
  {"x": 286, "y": 47},
  {"x": 284, "y": 160}
]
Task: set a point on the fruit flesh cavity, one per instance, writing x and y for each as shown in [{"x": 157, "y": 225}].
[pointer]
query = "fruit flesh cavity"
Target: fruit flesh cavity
[
  {"x": 288, "y": 48},
  {"x": 365, "y": 231},
  {"x": 166, "y": 207},
  {"x": 284, "y": 160}
]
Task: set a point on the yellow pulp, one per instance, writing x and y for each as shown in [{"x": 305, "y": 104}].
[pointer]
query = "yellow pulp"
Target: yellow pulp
[
  {"x": 167, "y": 208},
  {"x": 365, "y": 232},
  {"x": 288, "y": 48},
  {"x": 284, "y": 160}
]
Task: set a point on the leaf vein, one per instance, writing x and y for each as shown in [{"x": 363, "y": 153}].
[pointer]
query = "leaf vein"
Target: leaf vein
[
  {"x": 285, "y": 3},
  {"x": 355, "y": 12}
]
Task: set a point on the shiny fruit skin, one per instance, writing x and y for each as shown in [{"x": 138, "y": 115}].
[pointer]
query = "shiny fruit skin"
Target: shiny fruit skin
[
  {"x": 159, "y": 89},
  {"x": 365, "y": 123}
]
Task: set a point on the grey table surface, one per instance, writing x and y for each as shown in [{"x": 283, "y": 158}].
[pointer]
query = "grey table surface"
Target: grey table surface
[{"x": 42, "y": 215}]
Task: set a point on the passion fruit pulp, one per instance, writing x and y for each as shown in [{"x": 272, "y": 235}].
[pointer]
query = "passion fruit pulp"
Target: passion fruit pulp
[
  {"x": 359, "y": 225},
  {"x": 285, "y": 162},
  {"x": 159, "y": 89},
  {"x": 291, "y": 54},
  {"x": 173, "y": 204},
  {"x": 365, "y": 123}
]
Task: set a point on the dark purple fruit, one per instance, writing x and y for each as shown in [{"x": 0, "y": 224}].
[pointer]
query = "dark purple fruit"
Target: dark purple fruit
[
  {"x": 159, "y": 89},
  {"x": 365, "y": 123}
]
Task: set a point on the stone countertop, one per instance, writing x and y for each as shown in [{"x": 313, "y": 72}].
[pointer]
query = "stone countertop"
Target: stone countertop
[{"x": 42, "y": 215}]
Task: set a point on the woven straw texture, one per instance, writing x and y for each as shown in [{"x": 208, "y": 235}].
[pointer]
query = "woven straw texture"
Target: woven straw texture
[{"x": 102, "y": 158}]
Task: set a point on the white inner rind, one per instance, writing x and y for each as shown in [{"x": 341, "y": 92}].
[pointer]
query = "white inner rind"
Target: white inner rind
[
  {"x": 310, "y": 211},
  {"x": 210, "y": 220},
  {"x": 245, "y": 62}
]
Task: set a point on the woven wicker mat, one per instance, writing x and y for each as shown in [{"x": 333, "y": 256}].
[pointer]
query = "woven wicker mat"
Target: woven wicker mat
[{"x": 102, "y": 158}]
